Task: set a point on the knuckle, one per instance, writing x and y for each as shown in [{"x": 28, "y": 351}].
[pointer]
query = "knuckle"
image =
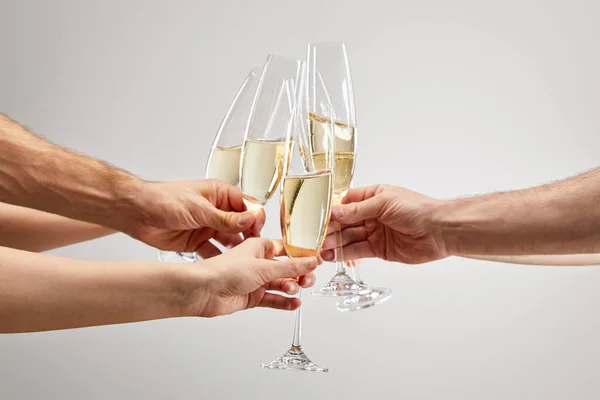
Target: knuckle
[
  {"x": 264, "y": 273},
  {"x": 229, "y": 218},
  {"x": 295, "y": 267},
  {"x": 212, "y": 184}
]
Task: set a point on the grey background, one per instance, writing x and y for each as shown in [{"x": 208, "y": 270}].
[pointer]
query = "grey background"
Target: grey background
[{"x": 452, "y": 98}]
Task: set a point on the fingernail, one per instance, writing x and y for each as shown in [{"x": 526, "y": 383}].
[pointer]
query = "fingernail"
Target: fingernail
[
  {"x": 292, "y": 288},
  {"x": 244, "y": 219},
  {"x": 310, "y": 281},
  {"x": 328, "y": 255}
]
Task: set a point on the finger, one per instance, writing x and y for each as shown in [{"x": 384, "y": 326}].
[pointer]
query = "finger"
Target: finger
[
  {"x": 333, "y": 227},
  {"x": 358, "y": 250},
  {"x": 278, "y": 248},
  {"x": 336, "y": 226},
  {"x": 227, "y": 222},
  {"x": 222, "y": 195},
  {"x": 354, "y": 234},
  {"x": 328, "y": 255},
  {"x": 353, "y": 251},
  {"x": 330, "y": 242},
  {"x": 348, "y": 236},
  {"x": 307, "y": 280},
  {"x": 355, "y": 212},
  {"x": 235, "y": 198},
  {"x": 271, "y": 248},
  {"x": 360, "y": 194},
  {"x": 354, "y": 263},
  {"x": 285, "y": 285},
  {"x": 208, "y": 250},
  {"x": 279, "y": 302},
  {"x": 259, "y": 223},
  {"x": 197, "y": 237},
  {"x": 228, "y": 240},
  {"x": 287, "y": 268},
  {"x": 266, "y": 248}
]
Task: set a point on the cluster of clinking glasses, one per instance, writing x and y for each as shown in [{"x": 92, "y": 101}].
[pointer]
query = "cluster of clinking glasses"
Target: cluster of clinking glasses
[{"x": 292, "y": 125}]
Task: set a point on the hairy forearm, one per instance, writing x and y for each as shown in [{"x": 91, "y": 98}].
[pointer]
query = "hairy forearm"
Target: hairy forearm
[
  {"x": 42, "y": 292},
  {"x": 557, "y": 260},
  {"x": 37, "y": 174},
  {"x": 558, "y": 218},
  {"x": 32, "y": 230}
]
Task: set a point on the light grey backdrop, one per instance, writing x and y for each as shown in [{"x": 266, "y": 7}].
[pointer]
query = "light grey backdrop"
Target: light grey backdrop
[{"x": 452, "y": 98}]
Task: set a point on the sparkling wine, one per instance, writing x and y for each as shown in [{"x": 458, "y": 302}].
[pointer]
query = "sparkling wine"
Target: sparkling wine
[
  {"x": 343, "y": 167},
  {"x": 225, "y": 164},
  {"x": 305, "y": 209},
  {"x": 262, "y": 167},
  {"x": 344, "y": 143}
]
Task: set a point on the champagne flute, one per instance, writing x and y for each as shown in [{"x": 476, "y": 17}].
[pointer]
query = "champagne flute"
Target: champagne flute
[
  {"x": 305, "y": 209},
  {"x": 329, "y": 82},
  {"x": 265, "y": 145},
  {"x": 330, "y": 78},
  {"x": 224, "y": 158}
]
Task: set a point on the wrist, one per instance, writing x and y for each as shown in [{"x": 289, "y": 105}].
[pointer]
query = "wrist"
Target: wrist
[
  {"x": 131, "y": 198},
  {"x": 148, "y": 203},
  {"x": 447, "y": 226},
  {"x": 195, "y": 285}
]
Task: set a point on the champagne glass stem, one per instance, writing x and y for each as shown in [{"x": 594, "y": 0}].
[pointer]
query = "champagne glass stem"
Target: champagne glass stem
[
  {"x": 339, "y": 265},
  {"x": 297, "y": 324},
  {"x": 339, "y": 252},
  {"x": 355, "y": 272}
]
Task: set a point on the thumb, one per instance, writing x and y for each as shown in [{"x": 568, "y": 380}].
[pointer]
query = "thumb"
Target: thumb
[
  {"x": 229, "y": 222},
  {"x": 357, "y": 212}
]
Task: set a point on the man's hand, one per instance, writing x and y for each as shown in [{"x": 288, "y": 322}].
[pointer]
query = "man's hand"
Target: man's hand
[
  {"x": 399, "y": 225},
  {"x": 179, "y": 216},
  {"x": 184, "y": 215},
  {"x": 388, "y": 222},
  {"x": 240, "y": 278}
]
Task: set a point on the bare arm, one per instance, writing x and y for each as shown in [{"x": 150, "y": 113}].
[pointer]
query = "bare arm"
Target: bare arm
[
  {"x": 558, "y": 218},
  {"x": 37, "y": 174},
  {"x": 396, "y": 224},
  {"x": 32, "y": 230},
  {"x": 574, "y": 260},
  {"x": 39, "y": 292},
  {"x": 42, "y": 292},
  {"x": 178, "y": 216}
]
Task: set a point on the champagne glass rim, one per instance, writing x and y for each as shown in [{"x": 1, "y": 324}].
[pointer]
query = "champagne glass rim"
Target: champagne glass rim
[
  {"x": 339, "y": 43},
  {"x": 283, "y": 58}
]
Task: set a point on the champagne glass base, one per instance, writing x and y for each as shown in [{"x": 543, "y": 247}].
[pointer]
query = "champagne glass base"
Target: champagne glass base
[
  {"x": 294, "y": 359},
  {"x": 340, "y": 285},
  {"x": 177, "y": 257},
  {"x": 370, "y": 298}
]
